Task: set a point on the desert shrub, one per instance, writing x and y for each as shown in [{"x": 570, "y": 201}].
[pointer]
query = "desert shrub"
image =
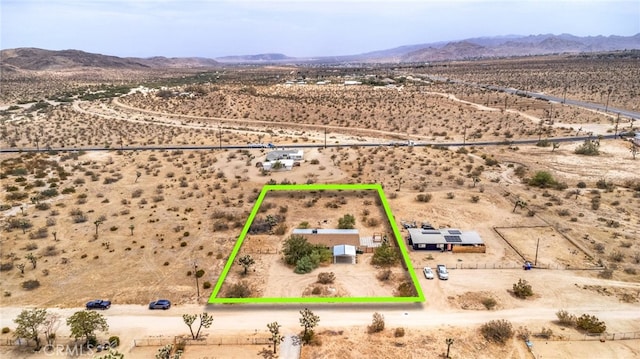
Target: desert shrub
[
  {"x": 326, "y": 277},
  {"x": 616, "y": 256},
  {"x": 581, "y": 184},
  {"x": 372, "y": 222},
  {"x": 565, "y": 318},
  {"x": 542, "y": 179},
  {"x": 489, "y": 303},
  {"x": 606, "y": 273},
  {"x": 385, "y": 255},
  {"x": 114, "y": 341},
  {"x": 43, "y": 206},
  {"x": 630, "y": 270},
  {"x": 307, "y": 264},
  {"x": 377, "y": 323},
  {"x": 5, "y": 330},
  {"x": 42, "y": 232},
  {"x": 347, "y": 221},
  {"x": 200, "y": 273},
  {"x": 546, "y": 333},
  {"x": 317, "y": 290},
  {"x": 220, "y": 226},
  {"x": 239, "y": 290},
  {"x": 475, "y": 199},
  {"x": 384, "y": 275},
  {"x": 398, "y": 333},
  {"x": 206, "y": 285},
  {"x": 424, "y": 197},
  {"x": 6, "y": 266},
  {"x": 522, "y": 289},
  {"x": 498, "y": 331},
  {"x": 590, "y": 324},
  {"x": 31, "y": 284},
  {"x": 281, "y": 229},
  {"x": 588, "y": 148},
  {"x": 406, "y": 289}
]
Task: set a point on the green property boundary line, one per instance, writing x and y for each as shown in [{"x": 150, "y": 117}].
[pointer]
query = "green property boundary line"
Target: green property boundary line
[{"x": 213, "y": 299}]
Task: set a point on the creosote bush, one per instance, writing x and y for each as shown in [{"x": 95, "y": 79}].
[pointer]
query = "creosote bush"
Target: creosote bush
[
  {"x": 591, "y": 324},
  {"x": 522, "y": 289},
  {"x": 239, "y": 290},
  {"x": 326, "y": 277},
  {"x": 498, "y": 331},
  {"x": 565, "y": 318},
  {"x": 377, "y": 323}
]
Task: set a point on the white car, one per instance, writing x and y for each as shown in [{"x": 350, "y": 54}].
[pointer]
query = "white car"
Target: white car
[{"x": 428, "y": 272}]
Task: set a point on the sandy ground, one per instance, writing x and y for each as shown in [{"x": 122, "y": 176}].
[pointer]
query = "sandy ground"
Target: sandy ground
[{"x": 150, "y": 261}]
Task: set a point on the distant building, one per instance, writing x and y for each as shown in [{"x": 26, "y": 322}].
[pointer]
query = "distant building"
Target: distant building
[
  {"x": 275, "y": 155},
  {"x": 352, "y": 82},
  {"x": 446, "y": 240}
]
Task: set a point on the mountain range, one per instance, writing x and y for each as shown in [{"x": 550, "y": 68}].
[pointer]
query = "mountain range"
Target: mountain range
[{"x": 20, "y": 59}]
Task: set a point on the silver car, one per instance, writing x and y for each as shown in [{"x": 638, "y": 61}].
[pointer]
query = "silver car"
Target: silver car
[{"x": 428, "y": 272}]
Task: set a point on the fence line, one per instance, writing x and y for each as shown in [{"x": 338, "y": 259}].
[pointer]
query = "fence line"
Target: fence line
[
  {"x": 589, "y": 337},
  {"x": 216, "y": 340},
  {"x": 463, "y": 265}
]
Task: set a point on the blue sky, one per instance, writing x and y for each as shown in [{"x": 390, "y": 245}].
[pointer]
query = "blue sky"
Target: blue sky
[{"x": 212, "y": 28}]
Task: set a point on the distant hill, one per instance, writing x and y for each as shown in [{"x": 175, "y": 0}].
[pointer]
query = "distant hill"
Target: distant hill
[
  {"x": 521, "y": 46},
  {"x": 12, "y": 60},
  {"x": 25, "y": 59},
  {"x": 254, "y": 58}
]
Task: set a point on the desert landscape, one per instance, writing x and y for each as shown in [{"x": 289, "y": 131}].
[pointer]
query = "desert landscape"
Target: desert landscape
[{"x": 123, "y": 185}]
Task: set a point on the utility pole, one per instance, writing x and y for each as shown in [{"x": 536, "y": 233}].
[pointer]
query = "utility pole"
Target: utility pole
[
  {"x": 464, "y": 135},
  {"x": 220, "y": 135},
  {"x": 195, "y": 267},
  {"x": 325, "y": 137},
  {"x": 615, "y": 134},
  {"x": 606, "y": 107},
  {"x": 535, "y": 262},
  {"x": 564, "y": 95}
]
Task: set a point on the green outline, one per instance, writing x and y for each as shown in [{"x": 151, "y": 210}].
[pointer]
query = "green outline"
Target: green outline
[{"x": 213, "y": 299}]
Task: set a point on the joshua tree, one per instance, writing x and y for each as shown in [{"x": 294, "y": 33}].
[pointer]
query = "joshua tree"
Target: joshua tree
[
  {"x": 246, "y": 262},
  {"x": 634, "y": 150},
  {"x": 138, "y": 174},
  {"x": 519, "y": 203},
  {"x": 276, "y": 337},
  {"x": 308, "y": 321},
  {"x": 97, "y": 223},
  {"x": 555, "y": 145},
  {"x": 205, "y": 321},
  {"x": 55, "y": 236},
  {"x": 449, "y": 342},
  {"x": 32, "y": 259},
  {"x": 21, "y": 267},
  {"x": 131, "y": 228}
]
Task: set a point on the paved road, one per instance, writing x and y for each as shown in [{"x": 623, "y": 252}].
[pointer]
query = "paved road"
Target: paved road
[
  {"x": 589, "y": 105},
  {"x": 251, "y": 147}
]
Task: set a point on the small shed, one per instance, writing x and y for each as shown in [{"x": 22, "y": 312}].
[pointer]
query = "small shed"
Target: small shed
[
  {"x": 284, "y": 165},
  {"x": 344, "y": 253}
]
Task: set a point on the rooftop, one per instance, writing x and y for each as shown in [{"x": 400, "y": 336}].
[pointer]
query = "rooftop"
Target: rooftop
[{"x": 444, "y": 236}]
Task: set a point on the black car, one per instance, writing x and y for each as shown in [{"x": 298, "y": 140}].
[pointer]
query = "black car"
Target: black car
[
  {"x": 99, "y": 304},
  {"x": 160, "y": 304}
]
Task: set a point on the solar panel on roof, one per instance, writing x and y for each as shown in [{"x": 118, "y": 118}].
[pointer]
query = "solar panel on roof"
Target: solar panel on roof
[
  {"x": 430, "y": 232},
  {"x": 455, "y": 239},
  {"x": 454, "y": 231}
]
